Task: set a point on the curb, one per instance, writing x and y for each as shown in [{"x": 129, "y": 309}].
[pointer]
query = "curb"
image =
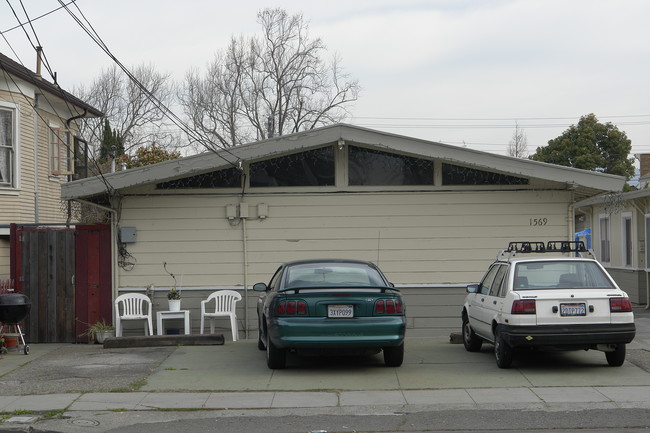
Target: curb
[{"x": 164, "y": 340}]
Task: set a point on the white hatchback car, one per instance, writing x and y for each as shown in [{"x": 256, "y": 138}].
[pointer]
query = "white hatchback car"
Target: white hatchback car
[{"x": 552, "y": 296}]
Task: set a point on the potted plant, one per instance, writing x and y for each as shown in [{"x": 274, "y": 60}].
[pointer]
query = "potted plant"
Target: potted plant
[
  {"x": 174, "y": 295},
  {"x": 174, "y": 298},
  {"x": 99, "y": 331}
]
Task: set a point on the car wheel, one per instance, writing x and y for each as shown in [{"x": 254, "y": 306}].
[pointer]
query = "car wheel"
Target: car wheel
[
  {"x": 471, "y": 341},
  {"x": 617, "y": 357},
  {"x": 275, "y": 358},
  {"x": 502, "y": 351},
  {"x": 394, "y": 356}
]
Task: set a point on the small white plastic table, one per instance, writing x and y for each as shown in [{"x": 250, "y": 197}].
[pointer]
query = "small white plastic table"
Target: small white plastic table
[{"x": 163, "y": 315}]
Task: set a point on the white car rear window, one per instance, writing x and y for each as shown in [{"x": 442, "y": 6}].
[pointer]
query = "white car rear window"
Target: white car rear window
[{"x": 561, "y": 275}]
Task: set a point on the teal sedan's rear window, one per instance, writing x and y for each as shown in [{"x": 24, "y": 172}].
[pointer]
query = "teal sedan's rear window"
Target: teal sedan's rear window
[{"x": 332, "y": 274}]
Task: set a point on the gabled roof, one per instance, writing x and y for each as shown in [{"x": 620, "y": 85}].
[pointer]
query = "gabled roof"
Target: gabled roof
[
  {"x": 590, "y": 182},
  {"x": 22, "y": 73}
]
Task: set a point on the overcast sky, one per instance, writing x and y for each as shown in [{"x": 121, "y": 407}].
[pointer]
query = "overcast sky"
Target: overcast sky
[{"x": 457, "y": 71}]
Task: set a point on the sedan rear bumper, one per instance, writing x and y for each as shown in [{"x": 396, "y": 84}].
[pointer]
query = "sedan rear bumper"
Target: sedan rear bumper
[
  {"x": 360, "y": 332},
  {"x": 570, "y": 336}
]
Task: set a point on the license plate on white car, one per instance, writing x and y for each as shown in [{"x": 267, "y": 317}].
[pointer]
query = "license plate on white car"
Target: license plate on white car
[
  {"x": 576, "y": 309},
  {"x": 340, "y": 311}
]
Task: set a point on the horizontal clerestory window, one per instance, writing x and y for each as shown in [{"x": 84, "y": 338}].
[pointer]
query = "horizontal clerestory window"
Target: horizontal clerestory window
[
  {"x": 310, "y": 168},
  {"x": 457, "y": 175},
  {"x": 374, "y": 167},
  {"x": 227, "y": 178}
]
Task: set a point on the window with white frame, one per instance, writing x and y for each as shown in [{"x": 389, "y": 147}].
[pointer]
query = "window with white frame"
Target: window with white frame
[
  {"x": 604, "y": 238},
  {"x": 60, "y": 151},
  {"x": 626, "y": 232},
  {"x": 647, "y": 240},
  {"x": 7, "y": 147}
]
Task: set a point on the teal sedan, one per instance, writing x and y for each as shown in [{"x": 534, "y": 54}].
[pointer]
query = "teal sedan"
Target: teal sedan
[{"x": 330, "y": 307}]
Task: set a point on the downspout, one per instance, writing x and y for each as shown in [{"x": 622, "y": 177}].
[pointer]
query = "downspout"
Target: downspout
[
  {"x": 39, "y": 51},
  {"x": 36, "y": 161},
  {"x": 571, "y": 217},
  {"x": 244, "y": 248},
  {"x": 115, "y": 275},
  {"x": 244, "y": 235},
  {"x": 67, "y": 127}
]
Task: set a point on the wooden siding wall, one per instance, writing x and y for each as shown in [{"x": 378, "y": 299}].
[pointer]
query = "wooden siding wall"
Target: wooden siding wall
[
  {"x": 416, "y": 238},
  {"x": 18, "y": 204},
  {"x": 419, "y": 239},
  {"x": 631, "y": 279},
  {"x": 633, "y": 282},
  {"x": 431, "y": 312},
  {"x": 19, "y": 207}
]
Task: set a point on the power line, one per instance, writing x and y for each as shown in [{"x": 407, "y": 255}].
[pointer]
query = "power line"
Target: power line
[
  {"x": 20, "y": 24},
  {"x": 92, "y": 33}
]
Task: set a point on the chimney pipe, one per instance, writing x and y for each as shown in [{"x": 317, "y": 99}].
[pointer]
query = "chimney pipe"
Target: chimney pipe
[{"x": 39, "y": 61}]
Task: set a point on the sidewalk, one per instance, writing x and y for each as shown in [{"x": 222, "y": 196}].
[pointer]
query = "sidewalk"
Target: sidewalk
[{"x": 436, "y": 375}]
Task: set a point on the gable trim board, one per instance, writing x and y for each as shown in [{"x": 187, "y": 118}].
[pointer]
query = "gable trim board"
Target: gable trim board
[{"x": 591, "y": 182}]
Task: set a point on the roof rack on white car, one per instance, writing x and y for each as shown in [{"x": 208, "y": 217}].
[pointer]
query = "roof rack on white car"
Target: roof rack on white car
[{"x": 518, "y": 247}]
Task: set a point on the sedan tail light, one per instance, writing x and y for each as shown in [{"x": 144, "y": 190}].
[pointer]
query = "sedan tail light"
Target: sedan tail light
[
  {"x": 291, "y": 308},
  {"x": 620, "y": 305},
  {"x": 524, "y": 306},
  {"x": 388, "y": 306}
]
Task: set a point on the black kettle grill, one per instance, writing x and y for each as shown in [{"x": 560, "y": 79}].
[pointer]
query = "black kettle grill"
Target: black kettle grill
[{"x": 14, "y": 307}]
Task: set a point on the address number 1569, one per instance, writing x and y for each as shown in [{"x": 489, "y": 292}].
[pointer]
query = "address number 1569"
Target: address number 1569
[{"x": 538, "y": 221}]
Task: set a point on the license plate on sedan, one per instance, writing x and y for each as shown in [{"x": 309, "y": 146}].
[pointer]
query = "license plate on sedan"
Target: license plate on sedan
[
  {"x": 340, "y": 311},
  {"x": 576, "y": 309}
]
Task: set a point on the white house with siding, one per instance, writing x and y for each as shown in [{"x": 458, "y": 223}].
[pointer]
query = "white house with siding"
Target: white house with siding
[
  {"x": 40, "y": 149},
  {"x": 431, "y": 215},
  {"x": 619, "y": 224}
]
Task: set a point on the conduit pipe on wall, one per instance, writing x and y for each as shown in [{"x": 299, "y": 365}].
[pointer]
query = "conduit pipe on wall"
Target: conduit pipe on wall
[
  {"x": 36, "y": 162},
  {"x": 245, "y": 247}
]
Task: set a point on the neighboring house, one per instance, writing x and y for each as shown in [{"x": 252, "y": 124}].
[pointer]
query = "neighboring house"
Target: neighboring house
[
  {"x": 431, "y": 215},
  {"x": 39, "y": 149},
  {"x": 619, "y": 224}
]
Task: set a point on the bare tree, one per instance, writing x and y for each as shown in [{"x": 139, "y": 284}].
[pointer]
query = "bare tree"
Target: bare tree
[
  {"x": 265, "y": 86},
  {"x": 518, "y": 146},
  {"x": 133, "y": 115}
]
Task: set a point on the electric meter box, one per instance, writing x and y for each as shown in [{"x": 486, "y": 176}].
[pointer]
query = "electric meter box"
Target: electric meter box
[{"x": 128, "y": 235}]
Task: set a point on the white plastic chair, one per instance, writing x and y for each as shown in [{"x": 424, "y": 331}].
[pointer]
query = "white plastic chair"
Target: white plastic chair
[
  {"x": 225, "y": 306},
  {"x": 134, "y": 306}
]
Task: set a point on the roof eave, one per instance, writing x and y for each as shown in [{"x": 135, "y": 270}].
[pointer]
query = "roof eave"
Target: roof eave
[{"x": 574, "y": 178}]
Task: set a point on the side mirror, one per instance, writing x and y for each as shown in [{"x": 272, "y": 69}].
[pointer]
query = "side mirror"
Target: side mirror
[
  {"x": 472, "y": 288},
  {"x": 260, "y": 287}
]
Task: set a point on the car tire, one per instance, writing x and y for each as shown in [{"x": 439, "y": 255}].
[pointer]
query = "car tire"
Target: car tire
[
  {"x": 503, "y": 353},
  {"x": 394, "y": 356},
  {"x": 260, "y": 342},
  {"x": 471, "y": 341},
  {"x": 275, "y": 358},
  {"x": 617, "y": 357}
]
